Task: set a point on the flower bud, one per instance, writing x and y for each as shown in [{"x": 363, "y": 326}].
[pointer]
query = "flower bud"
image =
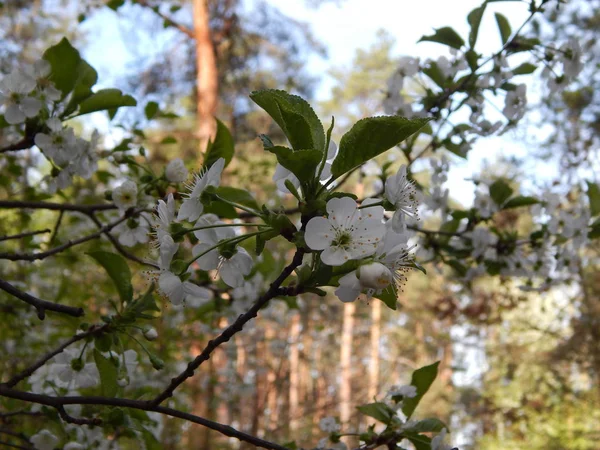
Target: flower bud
[
  {"x": 150, "y": 334},
  {"x": 176, "y": 171},
  {"x": 375, "y": 276}
]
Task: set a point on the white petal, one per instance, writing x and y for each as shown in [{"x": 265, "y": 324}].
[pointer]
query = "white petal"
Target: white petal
[
  {"x": 342, "y": 211},
  {"x": 335, "y": 256},
  {"x": 231, "y": 276},
  {"x": 31, "y": 106},
  {"x": 190, "y": 210},
  {"x": 242, "y": 261},
  {"x": 319, "y": 233},
  {"x": 14, "y": 115},
  {"x": 210, "y": 260},
  {"x": 349, "y": 288},
  {"x": 172, "y": 287},
  {"x": 196, "y": 292}
]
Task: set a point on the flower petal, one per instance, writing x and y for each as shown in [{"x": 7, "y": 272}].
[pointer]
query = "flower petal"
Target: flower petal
[{"x": 319, "y": 233}]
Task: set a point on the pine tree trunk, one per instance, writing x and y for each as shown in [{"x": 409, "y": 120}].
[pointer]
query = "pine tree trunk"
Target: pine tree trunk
[
  {"x": 346, "y": 363},
  {"x": 373, "y": 389},
  {"x": 207, "y": 81},
  {"x": 294, "y": 372}
]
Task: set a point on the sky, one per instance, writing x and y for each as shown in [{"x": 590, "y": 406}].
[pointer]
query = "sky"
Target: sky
[{"x": 344, "y": 26}]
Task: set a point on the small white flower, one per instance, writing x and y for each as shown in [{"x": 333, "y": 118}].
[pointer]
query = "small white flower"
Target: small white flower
[
  {"x": 515, "y": 103},
  {"x": 570, "y": 57},
  {"x": 329, "y": 425},
  {"x": 151, "y": 334},
  {"x": 347, "y": 232},
  {"x": 401, "y": 192},
  {"x": 59, "y": 144},
  {"x": 406, "y": 391},
  {"x": 165, "y": 216},
  {"x": 437, "y": 443},
  {"x": 70, "y": 368},
  {"x": 125, "y": 195},
  {"x": 14, "y": 93},
  {"x": 192, "y": 207},
  {"x": 176, "y": 172},
  {"x": 180, "y": 292},
  {"x": 133, "y": 231},
  {"x": 44, "y": 440}
]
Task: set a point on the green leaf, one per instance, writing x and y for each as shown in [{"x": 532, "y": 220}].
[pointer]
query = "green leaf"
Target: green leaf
[
  {"x": 420, "y": 441},
  {"x": 150, "y": 110},
  {"x": 431, "y": 425},
  {"x": 169, "y": 140},
  {"x": 379, "y": 411},
  {"x": 503, "y": 27},
  {"x": 302, "y": 163},
  {"x": 594, "y": 197},
  {"x": 422, "y": 379},
  {"x": 86, "y": 78},
  {"x": 520, "y": 200},
  {"x": 105, "y": 99},
  {"x": 295, "y": 116},
  {"x": 239, "y": 196},
  {"x": 222, "y": 147},
  {"x": 500, "y": 191},
  {"x": 64, "y": 60},
  {"x": 388, "y": 296},
  {"x": 108, "y": 374},
  {"x": 524, "y": 69},
  {"x": 474, "y": 19},
  {"x": 118, "y": 270},
  {"x": 446, "y": 36},
  {"x": 370, "y": 137}
]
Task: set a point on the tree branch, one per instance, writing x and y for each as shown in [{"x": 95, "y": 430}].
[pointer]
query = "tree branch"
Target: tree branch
[
  {"x": 94, "y": 329},
  {"x": 231, "y": 330},
  {"x": 60, "y": 248},
  {"x": 22, "y": 235},
  {"x": 23, "y": 144},
  {"x": 40, "y": 305},
  {"x": 60, "y": 402},
  {"x": 185, "y": 30},
  {"x": 9, "y": 204}
]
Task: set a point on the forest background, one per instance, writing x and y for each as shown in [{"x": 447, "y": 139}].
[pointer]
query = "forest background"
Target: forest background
[{"x": 518, "y": 369}]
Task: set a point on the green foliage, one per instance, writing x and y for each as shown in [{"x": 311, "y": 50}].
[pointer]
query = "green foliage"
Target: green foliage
[
  {"x": 108, "y": 374},
  {"x": 239, "y": 196},
  {"x": 446, "y": 36},
  {"x": 474, "y": 19},
  {"x": 150, "y": 110},
  {"x": 519, "y": 201},
  {"x": 422, "y": 379},
  {"x": 370, "y": 137},
  {"x": 64, "y": 60},
  {"x": 87, "y": 77},
  {"x": 503, "y": 27},
  {"x": 524, "y": 69},
  {"x": 378, "y": 411},
  {"x": 105, "y": 99},
  {"x": 222, "y": 147},
  {"x": 302, "y": 163},
  {"x": 389, "y": 297},
  {"x": 118, "y": 270},
  {"x": 295, "y": 116},
  {"x": 500, "y": 191},
  {"x": 593, "y": 193}
]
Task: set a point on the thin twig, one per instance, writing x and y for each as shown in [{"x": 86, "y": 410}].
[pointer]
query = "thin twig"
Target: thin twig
[
  {"x": 60, "y": 248},
  {"x": 95, "y": 329},
  {"x": 24, "y": 204},
  {"x": 231, "y": 330},
  {"x": 185, "y": 30},
  {"x": 58, "y": 402},
  {"x": 40, "y": 305},
  {"x": 22, "y": 235}
]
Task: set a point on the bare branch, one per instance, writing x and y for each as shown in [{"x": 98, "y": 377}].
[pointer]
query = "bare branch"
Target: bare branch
[
  {"x": 95, "y": 329},
  {"x": 231, "y": 330},
  {"x": 22, "y": 235},
  {"x": 40, "y": 305},
  {"x": 24, "y": 204},
  {"x": 185, "y": 30},
  {"x": 23, "y": 144},
  {"x": 60, "y": 402}
]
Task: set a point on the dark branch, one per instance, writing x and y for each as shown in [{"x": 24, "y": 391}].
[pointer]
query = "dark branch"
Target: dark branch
[
  {"x": 23, "y": 144},
  {"x": 23, "y": 204},
  {"x": 40, "y": 305},
  {"x": 58, "y": 402},
  {"x": 231, "y": 330},
  {"x": 22, "y": 235},
  {"x": 44, "y": 359},
  {"x": 185, "y": 30}
]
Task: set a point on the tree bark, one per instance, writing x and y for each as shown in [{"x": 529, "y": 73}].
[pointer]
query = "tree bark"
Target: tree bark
[
  {"x": 294, "y": 372},
  {"x": 207, "y": 81},
  {"x": 346, "y": 363},
  {"x": 373, "y": 389}
]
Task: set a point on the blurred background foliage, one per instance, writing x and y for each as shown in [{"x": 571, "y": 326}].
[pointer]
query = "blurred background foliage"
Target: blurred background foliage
[{"x": 518, "y": 370}]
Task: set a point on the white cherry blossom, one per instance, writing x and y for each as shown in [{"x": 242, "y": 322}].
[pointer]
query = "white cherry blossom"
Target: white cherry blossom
[
  {"x": 125, "y": 195},
  {"x": 44, "y": 440},
  {"x": 192, "y": 207},
  {"x": 14, "y": 93},
  {"x": 401, "y": 192},
  {"x": 347, "y": 233},
  {"x": 176, "y": 172}
]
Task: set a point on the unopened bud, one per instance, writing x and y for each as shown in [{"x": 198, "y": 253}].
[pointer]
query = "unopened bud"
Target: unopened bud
[{"x": 151, "y": 334}]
